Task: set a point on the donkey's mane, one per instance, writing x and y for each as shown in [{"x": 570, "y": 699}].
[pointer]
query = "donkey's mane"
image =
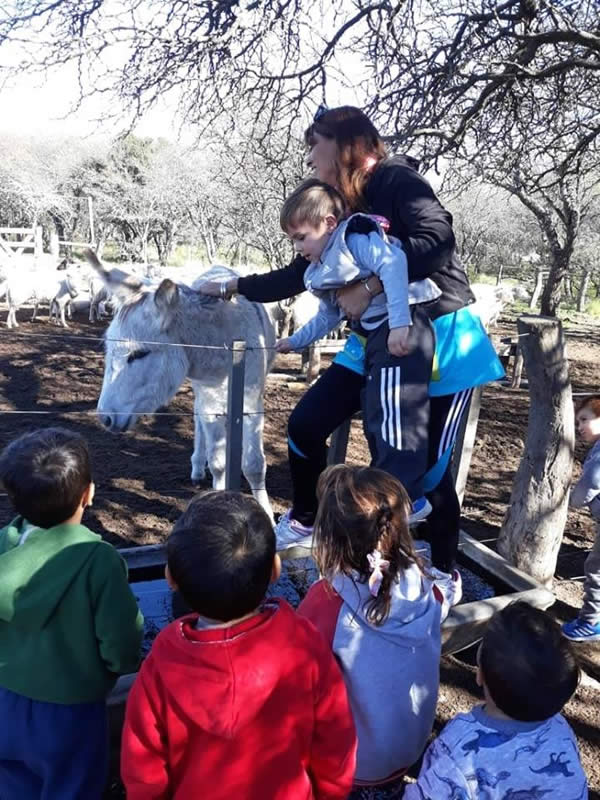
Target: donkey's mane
[
  {"x": 131, "y": 304},
  {"x": 139, "y": 298}
]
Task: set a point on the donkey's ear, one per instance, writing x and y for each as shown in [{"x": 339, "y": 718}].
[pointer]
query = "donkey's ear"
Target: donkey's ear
[
  {"x": 121, "y": 283},
  {"x": 166, "y": 299}
]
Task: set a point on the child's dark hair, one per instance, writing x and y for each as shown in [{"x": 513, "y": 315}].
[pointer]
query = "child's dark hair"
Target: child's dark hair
[
  {"x": 592, "y": 402},
  {"x": 528, "y": 666},
  {"x": 45, "y": 474},
  {"x": 220, "y": 554},
  {"x": 362, "y": 509}
]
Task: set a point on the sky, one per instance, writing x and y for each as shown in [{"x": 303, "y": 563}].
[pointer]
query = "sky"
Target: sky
[{"x": 33, "y": 109}]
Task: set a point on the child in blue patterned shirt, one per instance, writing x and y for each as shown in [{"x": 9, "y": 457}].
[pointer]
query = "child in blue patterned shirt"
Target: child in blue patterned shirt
[{"x": 517, "y": 745}]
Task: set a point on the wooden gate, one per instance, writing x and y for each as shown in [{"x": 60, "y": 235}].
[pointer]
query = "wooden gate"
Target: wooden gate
[{"x": 14, "y": 242}]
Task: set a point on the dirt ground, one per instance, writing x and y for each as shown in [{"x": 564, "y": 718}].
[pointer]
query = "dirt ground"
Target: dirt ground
[{"x": 50, "y": 376}]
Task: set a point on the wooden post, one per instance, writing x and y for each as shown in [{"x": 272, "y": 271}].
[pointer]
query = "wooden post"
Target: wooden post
[
  {"x": 91, "y": 219},
  {"x": 465, "y": 441},
  {"x": 535, "y": 519},
  {"x": 235, "y": 417},
  {"x": 54, "y": 245},
  {"x": 38, "y": 242},
  {"x": 339, "y": 443}
]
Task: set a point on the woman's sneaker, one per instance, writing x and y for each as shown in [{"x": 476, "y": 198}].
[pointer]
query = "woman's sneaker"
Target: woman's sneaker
[
  {"x": 421, "y": 509},
  {"x": 291, "y": 533},
  {"x": 578, "y": 630}
]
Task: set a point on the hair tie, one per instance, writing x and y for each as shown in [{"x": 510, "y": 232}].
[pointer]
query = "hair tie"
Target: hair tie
[
  {"x": 322, "y": 109},
  {"x": 378, "y": 566}
]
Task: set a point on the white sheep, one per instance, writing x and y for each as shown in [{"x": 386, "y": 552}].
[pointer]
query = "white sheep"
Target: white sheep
[
  {"x": 51, "y": 287},
  {"x": 491, "y": 300}
]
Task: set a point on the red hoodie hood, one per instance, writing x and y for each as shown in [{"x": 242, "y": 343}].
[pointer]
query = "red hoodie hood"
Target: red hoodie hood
[{"x": 232, "y": 665}]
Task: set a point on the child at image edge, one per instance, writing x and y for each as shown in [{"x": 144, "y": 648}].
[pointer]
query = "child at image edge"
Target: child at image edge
[
  {"x": 586, "y": 492},
  {"x": 517, "y": 745},
  {"x": 242, "y": 698},
  {"x": 380, "y": 611},
  {"x": 69, "y": 624}
]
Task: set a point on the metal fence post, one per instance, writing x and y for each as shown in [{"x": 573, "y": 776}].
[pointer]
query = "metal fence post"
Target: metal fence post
[{"x": 235, "y": 417}]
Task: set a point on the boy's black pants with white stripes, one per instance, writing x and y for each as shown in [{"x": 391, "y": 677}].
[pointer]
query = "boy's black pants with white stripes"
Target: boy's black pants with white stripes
[{"x": 395, "y": 403}]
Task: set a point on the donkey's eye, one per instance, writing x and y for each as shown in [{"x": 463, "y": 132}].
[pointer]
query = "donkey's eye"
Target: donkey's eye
[{"x": 136, "y": 355}]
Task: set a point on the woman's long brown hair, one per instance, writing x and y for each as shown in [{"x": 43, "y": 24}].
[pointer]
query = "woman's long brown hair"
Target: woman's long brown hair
[
  {"x": 357, "y": 141},
  {"x": 362, "y": 509}
]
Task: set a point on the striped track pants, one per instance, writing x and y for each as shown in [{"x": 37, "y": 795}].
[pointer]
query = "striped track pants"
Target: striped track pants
[{"x": 396, "y": 403}]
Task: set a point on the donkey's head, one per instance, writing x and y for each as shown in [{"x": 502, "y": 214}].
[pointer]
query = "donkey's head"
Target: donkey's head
[{"x": 144, "y": 365}]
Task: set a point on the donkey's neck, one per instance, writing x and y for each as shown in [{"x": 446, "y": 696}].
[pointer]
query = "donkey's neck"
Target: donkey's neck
[{"x": 207, "y": 322}]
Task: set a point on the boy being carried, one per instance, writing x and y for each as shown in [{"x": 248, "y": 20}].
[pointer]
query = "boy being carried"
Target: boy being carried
[
  {"x": 393, "y": 340},
  {"x": 69, "y": 624},
  {"x": 242, "y": 698},
  {"x": 517, "y": 744}
]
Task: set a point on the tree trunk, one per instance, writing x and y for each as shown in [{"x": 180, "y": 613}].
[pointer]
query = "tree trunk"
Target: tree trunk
[
  {"x": 553, "y": 290},
  {"x": 583, "y": 289},
  {"x": 535, "y": 519}
]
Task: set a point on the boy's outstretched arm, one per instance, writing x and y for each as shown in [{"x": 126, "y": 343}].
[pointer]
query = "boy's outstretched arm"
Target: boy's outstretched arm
[
  {"x": 324, "y": 321},
  {"x": 439, "y": 778},
  {"x": 333, "y": 753},
  {"x": 118, "y": 621},
  {"x": 143, "y": 752}
]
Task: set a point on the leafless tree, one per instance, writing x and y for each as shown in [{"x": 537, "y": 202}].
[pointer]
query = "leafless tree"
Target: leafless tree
[{"x": 505, "y": 90}]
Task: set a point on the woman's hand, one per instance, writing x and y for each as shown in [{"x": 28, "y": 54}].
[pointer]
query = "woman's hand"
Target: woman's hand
[
  {"x": 283, "y": 346},
  {"x": 214, "y": 288},
  {"x": 355, "y": 299},
  {"x": 397, "y": 342}
]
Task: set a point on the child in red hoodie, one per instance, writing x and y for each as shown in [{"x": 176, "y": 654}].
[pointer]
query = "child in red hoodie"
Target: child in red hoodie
[{"x": 242, "y": 698}]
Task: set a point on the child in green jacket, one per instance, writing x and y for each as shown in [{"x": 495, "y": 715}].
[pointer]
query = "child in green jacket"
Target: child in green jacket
[{"x": 69, "y": 624}]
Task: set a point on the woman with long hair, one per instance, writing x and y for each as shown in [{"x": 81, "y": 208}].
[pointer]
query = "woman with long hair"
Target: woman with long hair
[{"x": 346, "y": 151}]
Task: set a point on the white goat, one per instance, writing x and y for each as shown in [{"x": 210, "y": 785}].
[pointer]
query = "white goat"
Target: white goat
[{"x": 146, "y": 364}]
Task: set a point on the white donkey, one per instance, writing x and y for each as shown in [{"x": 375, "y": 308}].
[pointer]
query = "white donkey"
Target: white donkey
[{"x": 140, "y": 376}]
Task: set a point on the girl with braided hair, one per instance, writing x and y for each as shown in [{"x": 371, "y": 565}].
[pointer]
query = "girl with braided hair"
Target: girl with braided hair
[{"x": 381, "y": 610}]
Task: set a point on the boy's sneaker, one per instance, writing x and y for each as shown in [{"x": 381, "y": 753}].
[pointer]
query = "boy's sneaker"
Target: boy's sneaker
[
  {"x": 291, "y": 533},
  {"x": 421, "y": 509},
  {"x": 578, "y": 630}
]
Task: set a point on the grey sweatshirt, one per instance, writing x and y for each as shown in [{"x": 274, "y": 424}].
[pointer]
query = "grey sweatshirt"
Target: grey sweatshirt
[
  {"x": 479, "y": 757},
  {"x": 358, "y": 249},
  {"x": 586, "y": 491},
  {"x": 391, "y": 671}
]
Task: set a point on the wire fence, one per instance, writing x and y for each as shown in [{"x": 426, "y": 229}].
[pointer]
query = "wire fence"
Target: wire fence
[
  {"x": 156, "y": 343},
  {"x": 92, "y": 412}
]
